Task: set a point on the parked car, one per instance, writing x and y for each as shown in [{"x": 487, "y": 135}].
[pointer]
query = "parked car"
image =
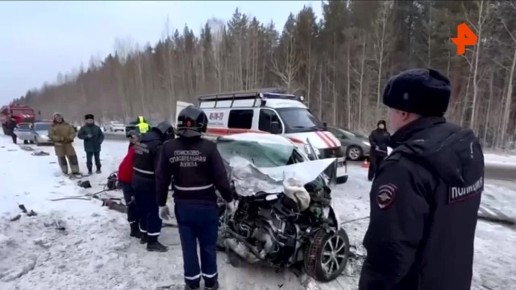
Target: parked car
[
  {"x": 41, "y": 133},
  {"x": 24, "y": 132},
  {"x": 34, "y": 133},
  {"x": 355, "y": 145},
  {"x": 116, "y": 126}
]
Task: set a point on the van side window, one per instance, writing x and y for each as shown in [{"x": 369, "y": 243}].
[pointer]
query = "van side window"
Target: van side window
[
  {"x": 266, "y": 119},
  {"x": 240, "y": 119}
]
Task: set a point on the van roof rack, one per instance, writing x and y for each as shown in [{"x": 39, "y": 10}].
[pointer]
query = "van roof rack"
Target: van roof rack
[{"x": 265, "y": 93}]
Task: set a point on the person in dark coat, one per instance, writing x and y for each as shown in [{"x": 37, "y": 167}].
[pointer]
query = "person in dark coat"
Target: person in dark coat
[
  {"x": 196, "y": 168},
  {"x": 11, "y": 125},
  {"x": 125, "y": 177},
  {"x": 379, "y": 140},
  {"x": 426, "y": 195},
  {"x": 93, "y": 138},
  {"x": 146, "y": 156}
]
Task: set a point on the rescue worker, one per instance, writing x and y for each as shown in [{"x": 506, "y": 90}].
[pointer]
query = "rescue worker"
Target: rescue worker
[
  {"x": 425, "y": 199},
  {"x": 142, "y": 125},
  {"x": 125, "y": 178},
  {"x": 146, "y": 156},
  {"x": 62, "y": 134},
  {"x": 196, "y": 168},
  {"x": 11, "y": 125},
  {"x": 93, "y": 138},
  {"x": 379, "y": 140}
]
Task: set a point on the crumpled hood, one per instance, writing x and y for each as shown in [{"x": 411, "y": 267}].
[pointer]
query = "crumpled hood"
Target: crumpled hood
[
  {"x": 249, "y": 179},
  {"x": 449, "y": 150}
]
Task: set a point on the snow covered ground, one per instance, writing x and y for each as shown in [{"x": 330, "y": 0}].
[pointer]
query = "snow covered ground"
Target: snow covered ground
[
  {"x": 94, "y": 250},
  {"x": 500, "y": 159}
]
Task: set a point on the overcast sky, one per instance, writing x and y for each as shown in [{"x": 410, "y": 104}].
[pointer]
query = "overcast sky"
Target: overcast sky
[{"x": 40, "y": 39}]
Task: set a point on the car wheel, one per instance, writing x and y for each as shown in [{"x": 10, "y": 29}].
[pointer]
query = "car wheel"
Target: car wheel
[
  {"x": 354, "y": 153},
  {"x": 326, "y": 255},
  {"x": 25, "y": 142}
]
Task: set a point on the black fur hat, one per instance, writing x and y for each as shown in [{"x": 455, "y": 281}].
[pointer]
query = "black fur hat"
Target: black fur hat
[
  {"x": 89, "y": 116},
  {"x": 421, "y": 91}
]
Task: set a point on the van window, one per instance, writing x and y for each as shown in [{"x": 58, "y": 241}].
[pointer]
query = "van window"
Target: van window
[
  {"x": 266, "y": 118},
  {"x": 299, "y": 120},
  {"x": 240, "y": 119}
]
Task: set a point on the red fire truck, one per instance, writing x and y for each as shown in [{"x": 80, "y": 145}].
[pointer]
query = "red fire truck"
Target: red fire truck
[{"x": 22, "y": 114}]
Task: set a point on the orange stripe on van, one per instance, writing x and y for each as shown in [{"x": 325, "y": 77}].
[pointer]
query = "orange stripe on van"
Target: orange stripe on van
[{"x": 229, "y": 131}]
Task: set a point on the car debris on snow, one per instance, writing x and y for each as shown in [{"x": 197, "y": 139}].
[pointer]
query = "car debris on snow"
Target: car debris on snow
[{"x": 40, "y": 153}]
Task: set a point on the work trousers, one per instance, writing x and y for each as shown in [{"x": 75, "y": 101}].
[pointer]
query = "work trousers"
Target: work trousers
[
  {"x": 374, "y": 165},
  {"x": 14, "y": 137},
  {"x": 198, "y": 222},
  {"x": 66, "y": 151},
  {"x": 89, "y": 157},
  {"x": 130, "y": 201},
  {"x": 146, "y": 201}
]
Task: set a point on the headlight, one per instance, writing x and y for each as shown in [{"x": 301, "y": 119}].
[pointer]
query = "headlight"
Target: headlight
[{"x": 366, "y": 143}]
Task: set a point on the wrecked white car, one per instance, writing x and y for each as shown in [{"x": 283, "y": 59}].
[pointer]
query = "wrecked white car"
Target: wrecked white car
[{"x": 284, "y": 216}]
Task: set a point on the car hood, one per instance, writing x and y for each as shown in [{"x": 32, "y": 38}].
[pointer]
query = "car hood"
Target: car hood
[{"x": 249, "y": 179}]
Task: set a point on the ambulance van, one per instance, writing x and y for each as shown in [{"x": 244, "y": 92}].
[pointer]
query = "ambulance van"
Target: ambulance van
[{"x": 276, "y": 112}]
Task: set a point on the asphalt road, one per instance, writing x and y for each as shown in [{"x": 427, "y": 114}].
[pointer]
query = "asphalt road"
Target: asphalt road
[{"x": 492, "y": 171}]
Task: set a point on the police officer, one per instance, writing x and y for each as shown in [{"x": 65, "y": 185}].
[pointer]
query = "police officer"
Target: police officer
[
  {"x": 146, "y": 156},
  {"x": 425, "y": 199},
  {"x": 196, "y": 168},
  {"x": 379, "y": 140}
]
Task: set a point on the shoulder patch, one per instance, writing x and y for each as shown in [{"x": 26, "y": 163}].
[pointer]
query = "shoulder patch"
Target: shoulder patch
[
  {"x": 385, "y": 195},
  {"x": 460, "y": 193}
]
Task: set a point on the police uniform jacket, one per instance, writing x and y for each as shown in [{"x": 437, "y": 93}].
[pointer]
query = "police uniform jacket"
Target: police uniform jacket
[{"x": 424, "y": 205}]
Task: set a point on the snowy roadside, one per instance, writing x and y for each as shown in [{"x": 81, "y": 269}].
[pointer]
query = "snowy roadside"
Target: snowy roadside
[
  {"x": 94, "y": 252},
  {"x": 500, "y": 159}
]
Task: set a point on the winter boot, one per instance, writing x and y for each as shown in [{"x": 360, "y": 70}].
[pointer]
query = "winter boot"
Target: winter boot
[
  {"x": 190, "y": 288},
  {"x": 143, "y": 238},
  {"x": 214, "y": 286},
  {"x": 135, "y": 231},
  {"x": 89, "y": 170},
  {"x": 98, "y": 170},
  {"x": 154, "y": 246}
]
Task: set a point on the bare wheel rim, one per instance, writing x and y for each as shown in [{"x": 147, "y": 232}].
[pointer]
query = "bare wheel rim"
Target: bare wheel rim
[
  {"x": 333, "y": 254},
  {"x": 354, "y": 153}
]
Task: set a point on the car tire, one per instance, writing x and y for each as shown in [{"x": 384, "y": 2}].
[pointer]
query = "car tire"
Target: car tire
[
  {"x": 317, "y": 251},
  {"x": 354, "y": 153},
  {"x": 25, "y": 142}
]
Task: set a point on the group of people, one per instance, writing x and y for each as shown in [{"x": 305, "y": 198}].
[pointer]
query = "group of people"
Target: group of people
[
  {"x": 62, "y": 135},
  {"x": 424, "y": 198},
  {"x": 192, "y": 166}
]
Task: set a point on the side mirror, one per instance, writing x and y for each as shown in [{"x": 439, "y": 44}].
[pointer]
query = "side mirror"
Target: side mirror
[{"x": 275, "y": 127}]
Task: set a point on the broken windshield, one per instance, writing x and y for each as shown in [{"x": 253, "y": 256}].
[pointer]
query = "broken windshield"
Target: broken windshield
[
  {"x": 299, "y": 120},
  {"x": 260, "y": 154}
]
